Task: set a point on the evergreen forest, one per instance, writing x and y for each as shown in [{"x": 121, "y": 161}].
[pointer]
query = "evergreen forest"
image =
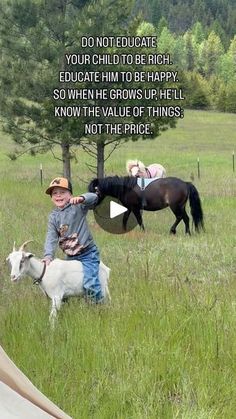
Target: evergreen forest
[{"x": 200, "y": 35}]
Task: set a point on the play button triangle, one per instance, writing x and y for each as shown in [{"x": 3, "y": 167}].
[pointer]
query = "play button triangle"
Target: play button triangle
[{"x": 116, "y": 209}]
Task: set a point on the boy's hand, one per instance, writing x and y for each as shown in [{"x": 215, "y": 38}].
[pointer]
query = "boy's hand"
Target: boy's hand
[
  {"x": 46, "y": 260},
  {"x": 77, "y": 200}
]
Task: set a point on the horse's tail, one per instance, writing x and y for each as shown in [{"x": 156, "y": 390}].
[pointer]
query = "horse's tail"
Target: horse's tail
[{"x": 195, "y": 206}]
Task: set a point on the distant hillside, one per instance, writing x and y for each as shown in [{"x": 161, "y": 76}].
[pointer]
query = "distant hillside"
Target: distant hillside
[{"x": 217, "y": 15}]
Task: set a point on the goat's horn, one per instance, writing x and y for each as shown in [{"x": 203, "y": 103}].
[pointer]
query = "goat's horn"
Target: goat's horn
[
  {"x": 14, "y": 247},
  {"x": 24, "y": 244}
]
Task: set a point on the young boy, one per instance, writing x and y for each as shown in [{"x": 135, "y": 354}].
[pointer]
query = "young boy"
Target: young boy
[{"x": 67, "y": 226}]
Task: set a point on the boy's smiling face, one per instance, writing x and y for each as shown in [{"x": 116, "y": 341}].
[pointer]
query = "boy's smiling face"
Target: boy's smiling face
[{"x": 60, "y": 196}]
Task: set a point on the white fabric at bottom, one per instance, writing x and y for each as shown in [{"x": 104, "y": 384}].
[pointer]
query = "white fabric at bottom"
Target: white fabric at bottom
[
  {"x": 20, "y": 388},
  {"x": 14, "y": 406}
]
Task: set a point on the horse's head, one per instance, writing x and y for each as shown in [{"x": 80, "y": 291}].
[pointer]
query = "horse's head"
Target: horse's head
[
  {"x": 94, "y": 187},
  {"x": 134, "y": 170},
  {"x": 132, "y": 167},
  {"x": 137, "y": 169}
]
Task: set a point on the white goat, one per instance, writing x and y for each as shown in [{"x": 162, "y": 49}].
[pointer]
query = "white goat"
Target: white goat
[{"x": 60, "y": 279}]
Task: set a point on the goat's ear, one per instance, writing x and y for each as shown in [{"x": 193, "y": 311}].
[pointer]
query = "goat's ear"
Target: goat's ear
[{"x": 28, "y": 255}]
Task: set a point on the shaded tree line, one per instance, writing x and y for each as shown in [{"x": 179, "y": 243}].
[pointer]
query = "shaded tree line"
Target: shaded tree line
[
  {"x": 180, "y": 15},
  {"x": 207, "y": 67}
]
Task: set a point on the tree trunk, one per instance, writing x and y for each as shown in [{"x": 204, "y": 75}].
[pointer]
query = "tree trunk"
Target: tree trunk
[
  {"x": 64, "y": 146},
  {"x": 100, "y": 159},
  {"x": 66, "y": 161}
]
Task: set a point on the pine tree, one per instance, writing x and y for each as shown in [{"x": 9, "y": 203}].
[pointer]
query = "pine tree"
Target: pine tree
[
  {"x": 189, "y": 51},
  {"x": 198, "y": 33},
  {"x": 34, "y": 53},
  {"x": 230, "y": 103},
  {"x": 212, "y": 50}
]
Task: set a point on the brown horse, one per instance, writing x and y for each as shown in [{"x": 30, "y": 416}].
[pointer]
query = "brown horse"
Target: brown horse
[{"x": 160, "y": 193}]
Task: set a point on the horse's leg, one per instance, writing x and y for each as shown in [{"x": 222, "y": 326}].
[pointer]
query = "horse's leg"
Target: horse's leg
[
  {"x": 179, "y": 216},
  {"x": 139, "y": 218},
  {"x": 186, "y": 222},
  {"x": 125, "y": 219}
]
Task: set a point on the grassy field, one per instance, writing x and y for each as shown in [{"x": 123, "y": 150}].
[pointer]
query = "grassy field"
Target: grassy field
[{"x": 166, "y": 345}]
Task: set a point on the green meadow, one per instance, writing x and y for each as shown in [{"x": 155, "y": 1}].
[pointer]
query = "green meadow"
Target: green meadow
[{"x": 165, "y": 347}]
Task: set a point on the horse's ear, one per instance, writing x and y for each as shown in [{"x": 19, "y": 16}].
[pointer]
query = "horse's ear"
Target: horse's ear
[
  {"x": 93, "y": 185},
  {"x": 140, "y": 165}
]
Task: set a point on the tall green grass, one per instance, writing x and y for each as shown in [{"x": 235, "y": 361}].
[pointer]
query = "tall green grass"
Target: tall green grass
[{"x": 166, "y": 345}]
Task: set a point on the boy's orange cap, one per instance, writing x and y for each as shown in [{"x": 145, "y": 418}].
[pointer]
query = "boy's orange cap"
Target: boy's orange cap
[{"x": 60, "y": 182}]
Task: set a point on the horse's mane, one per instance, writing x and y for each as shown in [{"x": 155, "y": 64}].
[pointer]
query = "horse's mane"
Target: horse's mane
[{"x": 114, "y": 186}]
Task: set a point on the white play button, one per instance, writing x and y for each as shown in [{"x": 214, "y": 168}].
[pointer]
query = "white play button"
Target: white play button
[
  {"x": 109, "y": 215},
  {"x": 116, "y": 209}
]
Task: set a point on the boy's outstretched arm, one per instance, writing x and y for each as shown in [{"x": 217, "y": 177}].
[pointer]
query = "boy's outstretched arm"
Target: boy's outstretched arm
[
  {"x": 89, "y": 199},
  {"x": 77, "y": 200}
]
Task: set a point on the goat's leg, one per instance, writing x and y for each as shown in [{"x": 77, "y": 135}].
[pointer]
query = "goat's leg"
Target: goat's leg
[{"x": 56, "y": 304}]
